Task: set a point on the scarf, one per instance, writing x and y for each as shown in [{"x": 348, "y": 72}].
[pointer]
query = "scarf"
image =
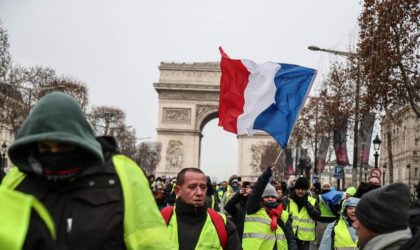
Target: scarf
[{"x": 274, "y": 214}]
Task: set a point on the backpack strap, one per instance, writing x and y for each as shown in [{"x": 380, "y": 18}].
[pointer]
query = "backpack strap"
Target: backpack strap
[
  {"x": 219, "y": 223},
  {"x": 166, "y": 213}
]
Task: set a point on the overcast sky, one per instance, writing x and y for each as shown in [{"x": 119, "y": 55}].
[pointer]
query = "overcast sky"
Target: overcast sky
[{"x": 115, "y": 47}]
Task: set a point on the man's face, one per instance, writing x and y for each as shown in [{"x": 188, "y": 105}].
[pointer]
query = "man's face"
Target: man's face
[
  {"x": 193, "y": 190},
  {"x": 375, "y": 182},
  {"x": 364, "y": 234},
  {"x": 269, "y": 199},
  {"x": 280, "y": 193},
  {"x": 300, "y": 192},
  {"x": 351, "y": 213},
  {"x": 326, "y": 187}
]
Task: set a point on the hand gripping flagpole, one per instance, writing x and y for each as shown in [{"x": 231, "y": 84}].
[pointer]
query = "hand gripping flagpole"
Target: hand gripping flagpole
[{"x": 275, "y": 162}]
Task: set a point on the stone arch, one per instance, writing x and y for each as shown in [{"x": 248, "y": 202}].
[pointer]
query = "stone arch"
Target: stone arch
[{"x": 188, "y": 100}]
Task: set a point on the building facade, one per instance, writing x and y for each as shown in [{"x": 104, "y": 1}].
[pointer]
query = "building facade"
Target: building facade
[{"x": 401, "y": 134}]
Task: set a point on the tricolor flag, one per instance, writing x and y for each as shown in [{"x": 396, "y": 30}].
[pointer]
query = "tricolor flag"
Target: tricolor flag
[{"x": 264, "y": 97}]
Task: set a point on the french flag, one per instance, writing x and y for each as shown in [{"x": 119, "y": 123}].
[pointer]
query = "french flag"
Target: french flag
[{"x": 265, "y": 97}]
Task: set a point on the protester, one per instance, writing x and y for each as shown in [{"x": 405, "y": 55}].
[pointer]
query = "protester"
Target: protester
[
  {"x": 304, "y": 211},
  {"x": 96, "y": 203},
  {"x": 212, "y": 200},
  {"x": 382, "y": 218},
  {"x": 350, "y": 192},
  {"x": 236, "y": 207},
  {"x": 340, "y": 234},
  {"x": 231, "y": 189},
  {"x": 325, "y": 188},
  {"x": 191, "y": 224},
  {"x": 327, "y": 216},
  {"x": 267, "y": 223},
  {"x": 375, "y": 181},
  {"x": 25, "y": 223},
  {"x": 160, "y": 196}
]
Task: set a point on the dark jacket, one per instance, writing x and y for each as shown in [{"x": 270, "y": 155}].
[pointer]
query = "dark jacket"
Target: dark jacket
[
  {"x": 88, "y": 212},
  {"x": 190, "y": 222},
  {"x": 236, "y": 207},
  {"x": 253, "y": 205},
  {"x": 313, "y": 211},
  {"x": 88, "y": 209},
  {"x": 38, "y": 236}
]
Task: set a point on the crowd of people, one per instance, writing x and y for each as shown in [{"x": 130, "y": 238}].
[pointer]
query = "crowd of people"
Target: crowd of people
[
  {"x": 70, "y": 189},
  {"x": 274, "y": 215}
]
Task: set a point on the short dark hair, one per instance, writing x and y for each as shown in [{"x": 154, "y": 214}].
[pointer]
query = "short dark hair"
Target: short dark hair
[{"x": 181, "y": 175}]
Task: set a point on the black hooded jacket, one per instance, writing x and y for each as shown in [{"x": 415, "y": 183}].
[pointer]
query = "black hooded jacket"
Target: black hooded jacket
[{"x": 88, "y": 209}]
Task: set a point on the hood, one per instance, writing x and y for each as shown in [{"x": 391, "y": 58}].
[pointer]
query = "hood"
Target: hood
[{"x": 57, "y": 117}]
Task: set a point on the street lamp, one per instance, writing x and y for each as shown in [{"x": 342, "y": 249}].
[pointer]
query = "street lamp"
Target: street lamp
[
  {"x": 356, "y": 115},
  {"x": 376, "y": 146}
]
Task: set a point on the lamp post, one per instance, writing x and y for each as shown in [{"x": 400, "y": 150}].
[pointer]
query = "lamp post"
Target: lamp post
[
  {"x": 356, "y": 115},
  {"x": 376, "y": 146}
]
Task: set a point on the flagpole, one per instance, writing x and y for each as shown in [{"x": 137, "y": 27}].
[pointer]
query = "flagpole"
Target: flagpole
[{"x": 275, "y": 162}]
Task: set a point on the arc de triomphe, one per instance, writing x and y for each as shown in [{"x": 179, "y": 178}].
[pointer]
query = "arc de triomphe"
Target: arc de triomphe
[{"x": 188, "y": 99}]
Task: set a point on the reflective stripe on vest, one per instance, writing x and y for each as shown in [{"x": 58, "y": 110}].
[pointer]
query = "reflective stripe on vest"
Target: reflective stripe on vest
[
  {"x": 258, "y": 234},
  {"x": 342, "y": 237},
  {"x": 303, "y": 225},
  {"x": 208, "y": 239},
  {"x": 15, "y": 218},
  {"x": 324, "y": 209}
]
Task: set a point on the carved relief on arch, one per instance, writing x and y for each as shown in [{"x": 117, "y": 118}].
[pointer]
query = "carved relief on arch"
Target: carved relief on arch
[
  {"x": 177, "y": 115},
  {"x": 202, "y": 112},
  {"x": 257, "y": 151},
  {"x": 174, "y": 154}
]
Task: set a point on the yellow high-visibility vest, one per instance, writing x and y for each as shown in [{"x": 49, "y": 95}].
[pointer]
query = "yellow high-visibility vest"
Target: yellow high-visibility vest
[
  {"x": 258, "y": 234},
  {"x": 208, "y": 239},
  {"x": 15, "y": 216},
  {"x": 342, "y": 237},
  {"x": 144, "y": 227},
  {"x": 303, "y": 225}
]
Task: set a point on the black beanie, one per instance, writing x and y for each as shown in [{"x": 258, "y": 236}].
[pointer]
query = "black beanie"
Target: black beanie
[
  {"x": 302, "y": 183},
  {"x": 385, "y": 209}
]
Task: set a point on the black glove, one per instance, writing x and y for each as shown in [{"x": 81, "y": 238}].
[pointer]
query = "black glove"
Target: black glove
[{"x": 268, "y": 173}]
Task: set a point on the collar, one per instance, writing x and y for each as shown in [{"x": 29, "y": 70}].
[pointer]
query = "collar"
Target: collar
[
  {"x": 384, "y": 240},
  {"x": 185, "y": 209}
]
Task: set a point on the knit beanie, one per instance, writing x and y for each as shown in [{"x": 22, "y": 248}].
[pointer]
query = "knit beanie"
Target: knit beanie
[
  {"x": 269, "y": 191},
  {"x": 302, "y": 183},
  {"x": 351, "y": 191},
  {"x": 385, "y": 209}
]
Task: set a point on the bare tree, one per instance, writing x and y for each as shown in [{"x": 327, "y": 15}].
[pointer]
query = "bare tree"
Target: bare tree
[
  {"x": 107, "y": 120},
  {"x": 5, "y": 58},
  {"x": 389, "y": 53},
  {"x": 389, "y": 58},
  {"x": 148, "y": 156}
]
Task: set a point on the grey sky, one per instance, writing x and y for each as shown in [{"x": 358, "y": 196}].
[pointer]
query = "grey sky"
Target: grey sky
[{"x": 115, "y": 47}]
